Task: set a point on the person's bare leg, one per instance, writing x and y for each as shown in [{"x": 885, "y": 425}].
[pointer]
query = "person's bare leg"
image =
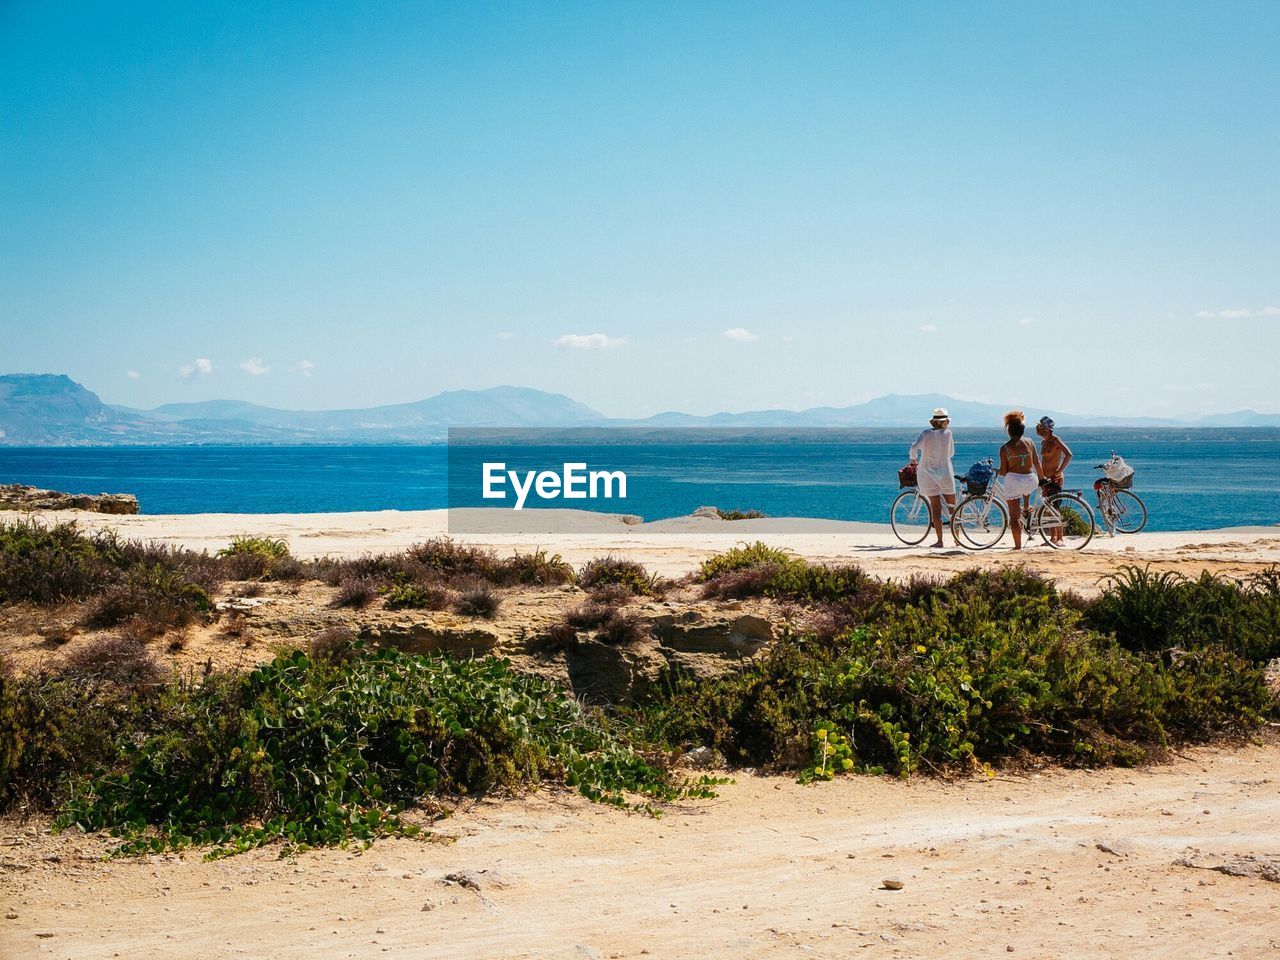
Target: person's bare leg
[
  {"x": 951, "y": 511},
  {"x": 1015, "y": 521},
  {"x": 935, "y": 517}
]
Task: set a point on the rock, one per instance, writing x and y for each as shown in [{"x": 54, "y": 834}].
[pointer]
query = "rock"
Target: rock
[
  {"x": 708, "y": 512},
  {"x": 692, "y": 632},
  {"x": 463, "y": 639},
  {"x": 892, "y": 884},
  {"x": 1114, "y": 847},
  {"x": 18, "y": 496},
  {"x": 1250, "y": 866},
  {"x": 602, "y": 673},
  {"x": 631, "y": 520},
  {"x": 704, "y": 758},
  {"x": 478, "y": 880},
  {"x": 1271, "y": 675},
  {"x": 243, "y": 603}
]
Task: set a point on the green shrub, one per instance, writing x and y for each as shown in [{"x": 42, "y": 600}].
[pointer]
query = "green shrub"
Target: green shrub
[
  {"x": 151, "y": 600},
  {"x": 534, "y": 569},
  {"x": 741, "y": 514},
  {"x": 251, "y": 558},
  {"x": 741, "y": 557},
  {"x": 615, "y": 571},
  {"x": 319, "y": 753},
  {"x": 46, "y": 564},
  {"x": 1155, "y": 612},
  {"x": 1076, "y": 525},
  {"x": 826, "y": 583},
  {"x": 416, "y": 596},
  {"x": 960, "y": 680},
  {"x": 51, "y": 726}
]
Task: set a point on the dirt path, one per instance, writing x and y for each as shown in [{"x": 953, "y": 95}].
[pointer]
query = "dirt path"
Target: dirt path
[{"x": 1008, "y": 867}]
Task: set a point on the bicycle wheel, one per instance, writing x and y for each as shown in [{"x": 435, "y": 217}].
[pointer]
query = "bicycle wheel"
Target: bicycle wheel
[
  {"x": 1064, "y": 521},
  {"x": 909, "y": 517},
  {"x": 979, "y": 522},
  {"x": 1129, "y": 514}
]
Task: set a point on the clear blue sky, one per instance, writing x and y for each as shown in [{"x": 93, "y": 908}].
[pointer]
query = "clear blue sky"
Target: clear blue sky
[{"x": 647, "y": 206}]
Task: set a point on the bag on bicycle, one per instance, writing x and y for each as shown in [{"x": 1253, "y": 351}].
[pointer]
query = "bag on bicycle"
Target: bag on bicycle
[
  {"x": 907, "y": 476},
  {"x": 979, "y": 476},
  {"x": 1118, "y": 472}
]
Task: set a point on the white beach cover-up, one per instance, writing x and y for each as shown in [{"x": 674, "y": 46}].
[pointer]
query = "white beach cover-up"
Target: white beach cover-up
[
  {"x": 934, "y": 476},
  {"x": 1019, "y": 485}
]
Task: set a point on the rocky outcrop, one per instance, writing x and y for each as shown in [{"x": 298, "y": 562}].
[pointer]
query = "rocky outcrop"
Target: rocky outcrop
[
  {"x": 696, "y": 631},
  {"x": 442, "y": 634},
  {"x": 17, "y": 496},
  {"x": 705, "y": 642}
]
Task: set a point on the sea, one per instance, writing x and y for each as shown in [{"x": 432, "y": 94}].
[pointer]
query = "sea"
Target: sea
[{"x": 1190, "y": 480}]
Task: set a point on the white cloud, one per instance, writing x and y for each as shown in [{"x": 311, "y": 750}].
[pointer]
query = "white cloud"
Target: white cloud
[
  {"x": 304, "y": 367},
  {"x": 506, "y": 335},
  {"x": 1238, "y": 313},
  {"x": 255, "y": 366},
  {"x": 133, "y": 374},
  {"x": 201, "y": 366},
  {"x": 740, "y": 335},
  {"x": 589, "y": 341},
  {"x": 1026, "y": 321},
  {"x": 928, "y": 328}
]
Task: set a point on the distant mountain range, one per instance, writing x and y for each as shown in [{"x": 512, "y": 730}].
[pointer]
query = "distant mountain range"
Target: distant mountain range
[{"x": 54, "y": 410}]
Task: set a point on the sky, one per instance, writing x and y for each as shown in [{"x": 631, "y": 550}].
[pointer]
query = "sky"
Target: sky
[{"x": 645, "y": 206}]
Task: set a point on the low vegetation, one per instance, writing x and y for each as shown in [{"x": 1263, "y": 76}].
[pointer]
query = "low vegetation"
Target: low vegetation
[
  {"x": 308, "y": 750},
  {"x": 741, "y": 514},
  {"x": 980, "y": 668},
  {"x": 604, "y": 572},
  {"x": 336, "y": 743}
]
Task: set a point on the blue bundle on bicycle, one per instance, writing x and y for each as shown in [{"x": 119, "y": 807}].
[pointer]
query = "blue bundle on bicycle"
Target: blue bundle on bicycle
[{"x": 979, "y": 476}]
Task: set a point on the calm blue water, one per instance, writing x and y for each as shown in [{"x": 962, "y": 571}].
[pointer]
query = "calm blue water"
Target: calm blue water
[{"x": 1187, "y": 484}]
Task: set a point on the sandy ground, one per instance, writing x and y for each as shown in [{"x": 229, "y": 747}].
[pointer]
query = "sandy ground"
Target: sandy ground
[
  {"x": 1009, "y": 866},
  {"x": 1003, "y": 867},
  {"x": 676, "y": 547}
]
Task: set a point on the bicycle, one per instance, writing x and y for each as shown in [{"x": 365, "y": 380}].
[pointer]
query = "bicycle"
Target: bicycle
[
  {"x": 909, "y": 517},
  {"x": 1063, "y": 519},
  {"x": 1122, "y": 510}
]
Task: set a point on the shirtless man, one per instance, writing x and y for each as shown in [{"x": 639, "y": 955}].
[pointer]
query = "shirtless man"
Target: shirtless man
[{"x": 1054, "y": 457}]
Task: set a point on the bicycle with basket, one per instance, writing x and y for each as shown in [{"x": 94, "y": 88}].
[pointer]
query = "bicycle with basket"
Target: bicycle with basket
[{"x": 1122, "y": 510}]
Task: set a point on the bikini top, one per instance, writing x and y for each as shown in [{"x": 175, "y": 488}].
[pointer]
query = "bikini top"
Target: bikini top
[{"x": 1022, "y": 459}]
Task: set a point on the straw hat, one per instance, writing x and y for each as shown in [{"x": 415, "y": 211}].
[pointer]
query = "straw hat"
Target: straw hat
[{"x": 940, "y": 413}]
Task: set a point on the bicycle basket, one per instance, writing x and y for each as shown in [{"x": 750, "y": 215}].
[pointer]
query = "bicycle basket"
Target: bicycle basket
[
  {"x": 975, "y": 488},
  {"x": 1124, "y": 484},
  {"x": 1117, "y": 470},
  {"x": 907, "y": 476},
  {"x": 980, "y": 474}
]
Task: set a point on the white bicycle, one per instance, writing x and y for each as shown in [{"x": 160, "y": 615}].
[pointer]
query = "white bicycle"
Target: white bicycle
[{"x": 1062, "y": 518}]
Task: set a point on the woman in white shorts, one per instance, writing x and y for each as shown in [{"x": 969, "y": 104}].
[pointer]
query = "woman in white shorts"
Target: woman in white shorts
[
  {"x": 935, "y": 478},
  {"x": 1020, "y": 467}
]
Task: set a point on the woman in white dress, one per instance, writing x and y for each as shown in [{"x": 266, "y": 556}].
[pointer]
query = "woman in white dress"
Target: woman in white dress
[{"x": 935, "y": 478}]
